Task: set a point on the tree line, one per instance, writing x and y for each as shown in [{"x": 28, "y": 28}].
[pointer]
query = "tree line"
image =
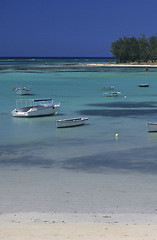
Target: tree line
[{"x": 131, "y": 49}]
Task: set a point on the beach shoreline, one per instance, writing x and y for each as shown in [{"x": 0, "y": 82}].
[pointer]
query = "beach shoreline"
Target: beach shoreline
[
  {"x": 75, "y": 65},
  {"x": 145, "y": 65},
  {"x": 34, "y": 226}
]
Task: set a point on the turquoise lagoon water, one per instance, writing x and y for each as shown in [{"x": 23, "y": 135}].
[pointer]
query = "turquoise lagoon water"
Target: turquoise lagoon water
[{"x": 78, "y": 87}]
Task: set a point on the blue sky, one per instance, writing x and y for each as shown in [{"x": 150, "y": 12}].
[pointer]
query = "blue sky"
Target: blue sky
[{"x": 71, "y": 28}]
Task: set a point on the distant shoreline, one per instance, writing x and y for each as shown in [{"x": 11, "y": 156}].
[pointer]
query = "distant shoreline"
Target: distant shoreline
[
  {"x": 77, "y": 66},
  {"x": 145, "y": 65}
]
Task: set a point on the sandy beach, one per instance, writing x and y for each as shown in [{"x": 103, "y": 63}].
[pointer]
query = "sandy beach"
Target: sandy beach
[
  {"x": 84, "y": 218},
  {"x": 133, "y": 64},
  {"x": 25, "y": 226},
  {"x": 77, "y": 231}
]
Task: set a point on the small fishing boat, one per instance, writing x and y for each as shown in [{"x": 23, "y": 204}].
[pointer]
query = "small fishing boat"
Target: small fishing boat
[
  {"x": 22, "y": 90},
  {"x": 71, "y": 122},
  {"x": 107, "y": 88},
  {"x": 152, "y": 127},
  {"x": 112, "y": 94},
  {"x": 143, "y": 85},
  {"x": 35, "y": 107}
]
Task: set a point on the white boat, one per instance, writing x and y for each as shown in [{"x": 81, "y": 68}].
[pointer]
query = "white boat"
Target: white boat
[
  {"x": 112, "y": 94},
  {"x": 152, "y": 127},
  {"x": 22, "y": 90},
  {"x": 71, "y": 122},
  {"x": 35, "y": 107}
]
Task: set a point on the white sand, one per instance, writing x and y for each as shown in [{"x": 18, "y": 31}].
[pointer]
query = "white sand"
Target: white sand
[
  {"x": 77, "y": 231},
  {"x": 146, "y": 65},
  {"x": 34, "y": 226},
  {"x": 122, "y": 65}
]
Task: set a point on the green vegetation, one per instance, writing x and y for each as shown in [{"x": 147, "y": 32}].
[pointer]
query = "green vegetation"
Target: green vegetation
[{"x": 131, "y": 49}]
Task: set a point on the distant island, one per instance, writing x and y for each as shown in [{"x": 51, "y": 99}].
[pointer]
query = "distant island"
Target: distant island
[{"x": 131, "y": 49}]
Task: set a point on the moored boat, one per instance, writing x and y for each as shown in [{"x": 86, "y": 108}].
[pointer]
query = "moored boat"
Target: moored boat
[
  {"x": 143, "y": 85},
  {"x": 152, "y": 127},
  {"x": 111, "y": 94},
  {"x": 107, "y": 88},
  {"x": 35, "y": 107},
  {"x": 22, "y": 90},
  {"x": 71, "y": 122}
]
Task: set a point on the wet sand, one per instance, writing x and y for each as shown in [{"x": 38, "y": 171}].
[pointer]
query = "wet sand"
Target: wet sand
[{"x": 69, "y": 209}]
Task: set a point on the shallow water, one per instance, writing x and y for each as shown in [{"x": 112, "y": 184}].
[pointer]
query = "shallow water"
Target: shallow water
[
  {"x": 36, "y": 143},
  {"x": 80, "y": 94}
]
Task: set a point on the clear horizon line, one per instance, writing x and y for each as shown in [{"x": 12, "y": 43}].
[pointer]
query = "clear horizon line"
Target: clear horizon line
[{"x": 53, "y": 57}]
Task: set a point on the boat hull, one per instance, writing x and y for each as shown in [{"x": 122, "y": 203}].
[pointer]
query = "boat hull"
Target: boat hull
[
  {"x": 35, "y": 111},
  {"x": 152, "y": 127},
  {"x": 73, "y": 122},
  {"x": 143, "y": 85},
  {"x": 22, "y": 91},
  {"x": 107, "y": 88},
  {"x": 112, "y": 94}
]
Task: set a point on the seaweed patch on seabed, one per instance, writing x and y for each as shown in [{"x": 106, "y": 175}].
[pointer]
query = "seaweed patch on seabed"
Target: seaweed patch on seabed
[
  {"x": 140, "y": 160},
  {"x": 125, "y": 105},
  {"x": 70, "y": 67},
  {"x": 15, "y": 157},
  {"x": 118, "y": 112}
]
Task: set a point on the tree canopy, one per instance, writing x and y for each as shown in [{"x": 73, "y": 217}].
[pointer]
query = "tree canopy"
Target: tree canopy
[{"x": 131, "y": 49}]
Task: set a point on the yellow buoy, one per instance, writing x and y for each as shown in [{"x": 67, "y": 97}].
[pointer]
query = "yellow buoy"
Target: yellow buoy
[{"x": 117, "y": 135}]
